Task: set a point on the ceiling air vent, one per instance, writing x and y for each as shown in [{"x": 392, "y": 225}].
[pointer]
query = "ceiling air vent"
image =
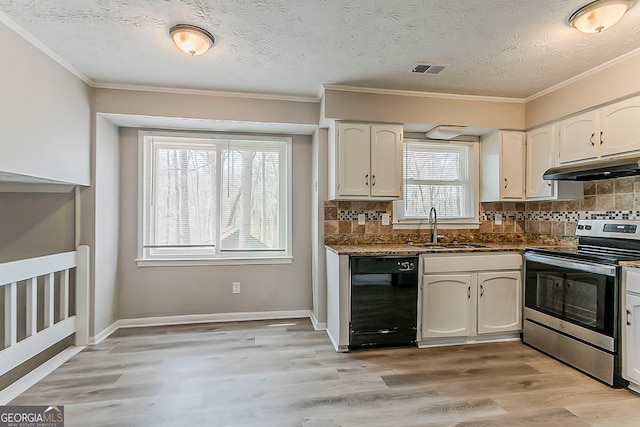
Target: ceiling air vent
[{"x": 424, "y": 68}]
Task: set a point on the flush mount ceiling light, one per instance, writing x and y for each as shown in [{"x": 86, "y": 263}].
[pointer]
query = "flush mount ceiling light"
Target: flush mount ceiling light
[
  {"x": 599, "y": 15},
  {"x": 190, "y": 39}
]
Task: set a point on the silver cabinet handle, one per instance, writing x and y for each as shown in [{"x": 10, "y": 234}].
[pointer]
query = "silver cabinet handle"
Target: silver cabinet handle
[
  {"x": 628, "y": 318},
  {"x": 366, "y": 179},
  {"x": 591, "y": 139}
]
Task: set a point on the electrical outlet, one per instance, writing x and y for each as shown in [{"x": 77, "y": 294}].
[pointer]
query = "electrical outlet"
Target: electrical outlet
[
  {"x": 236, "y": 287},
  {"x": 498, "y": 220},
  {"x": 385, "y": 219},
  {"x": 361, "y": 219}
]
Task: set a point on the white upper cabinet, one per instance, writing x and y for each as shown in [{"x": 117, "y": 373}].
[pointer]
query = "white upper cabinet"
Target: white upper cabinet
[
  {"x": 540, "y": 156},
  {"x": 540, "y": 144},
  {"x": 502, "y": 166},
  {"x": 386, "y": 161},
  {"x": 604, "y": 132},
  {"x": 512, "y": 168},
  {"x": 353, "y": 160},
  {"x": 620, "y": 127},
  {"x": 579, "y": 139},
  {"x": 365, "y": 161}
]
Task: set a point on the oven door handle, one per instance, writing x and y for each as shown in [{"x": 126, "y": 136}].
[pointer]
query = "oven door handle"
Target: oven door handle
[{"x": 590, "y": 267}]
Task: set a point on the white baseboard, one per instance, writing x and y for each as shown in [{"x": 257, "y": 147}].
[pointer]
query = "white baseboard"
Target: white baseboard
[
  {"x": 211, "y": 318},
  {"x": 20, "y": 386},
  {"x": 318, "y": 326},
  {"x": 101, "y": 336},
  {"x": 634, "y": 388}
]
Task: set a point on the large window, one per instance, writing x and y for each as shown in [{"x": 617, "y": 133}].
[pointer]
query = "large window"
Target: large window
[
  {"x": 208, "y": 197},
  {"x": 442, "y": 175}
]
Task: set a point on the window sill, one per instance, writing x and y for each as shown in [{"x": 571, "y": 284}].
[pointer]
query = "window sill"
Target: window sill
[
  {"x": 182, "y": 262},
  {"x": 441, "y": 226}
]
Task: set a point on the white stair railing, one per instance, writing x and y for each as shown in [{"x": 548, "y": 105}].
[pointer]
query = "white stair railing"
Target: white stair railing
[{"x": 56, "y": 299}]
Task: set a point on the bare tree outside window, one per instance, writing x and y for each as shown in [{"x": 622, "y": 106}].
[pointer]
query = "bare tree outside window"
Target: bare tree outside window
[
  {"x": 437, "y": 175},
  {"x": 210, "y": 196}
]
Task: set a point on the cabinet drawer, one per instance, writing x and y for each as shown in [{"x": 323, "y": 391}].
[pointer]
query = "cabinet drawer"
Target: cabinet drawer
[{"x": 447, "y": 263}]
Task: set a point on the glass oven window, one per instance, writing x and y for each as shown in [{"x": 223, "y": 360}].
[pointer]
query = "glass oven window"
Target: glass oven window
[{"x": 585, "y": 299}]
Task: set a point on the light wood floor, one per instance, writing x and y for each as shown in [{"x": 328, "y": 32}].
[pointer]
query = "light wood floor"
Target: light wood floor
[{"x": 283, "y": 373}]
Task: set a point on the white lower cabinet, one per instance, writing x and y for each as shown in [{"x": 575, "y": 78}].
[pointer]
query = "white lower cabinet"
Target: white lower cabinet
[
  {"x": 446, "y": 305},
  {"x": 483, "y": 302},
  {"x": 499, "y": 302},
  {"x": 632, "y": 347},
  {"x": 631, "y": 327}
]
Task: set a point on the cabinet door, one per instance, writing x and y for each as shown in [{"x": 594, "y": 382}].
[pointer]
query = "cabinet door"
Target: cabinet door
[
  {"x": 386, "y": 161},
  {"x": 448, "y": 302},
  {"x": 499, "y": 302},
  {"x": 540, "y": 149},
  {"x": 512, "y": 166},
  {"x": 620, "y": 127},
  {"x": 354, "y": 141},
  {"x": 578, "y": 138},
  {"x": 631, "y": 343}
]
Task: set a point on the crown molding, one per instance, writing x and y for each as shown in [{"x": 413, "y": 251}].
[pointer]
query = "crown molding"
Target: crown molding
[
  {"x": 38, "y": 45},
  {"x": 584, "y": 75},
  {"x": 423, "y": 94},
  {"x": 205, "y": 92}
]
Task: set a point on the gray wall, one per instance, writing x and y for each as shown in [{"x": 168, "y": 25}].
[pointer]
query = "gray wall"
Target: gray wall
[
  {"x": 107, "y": 216},
  {"x": 100, "y": 212},
  {"x": 176, "y": 291},
  {"x": 319, "y": 273},
  {"x": 45, "y": 114},
  {"x": 617, "y": 81},
  {"x": 36, "y": 224}
]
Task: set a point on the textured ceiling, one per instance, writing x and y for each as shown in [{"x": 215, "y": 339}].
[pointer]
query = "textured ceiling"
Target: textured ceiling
[{"x": 508, "y": 48}]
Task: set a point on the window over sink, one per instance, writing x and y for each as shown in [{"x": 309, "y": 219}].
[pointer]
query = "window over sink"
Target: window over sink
[
  {"x": 443, "y": 175},
  {"x": 212, "y": 198}
]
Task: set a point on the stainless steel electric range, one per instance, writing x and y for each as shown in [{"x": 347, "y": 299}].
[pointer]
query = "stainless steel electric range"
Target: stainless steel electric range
[{"x": 572, "y": 297}]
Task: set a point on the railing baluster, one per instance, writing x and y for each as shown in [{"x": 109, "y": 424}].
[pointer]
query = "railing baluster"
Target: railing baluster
[
  {"x": 64, "y": 295},
  {"x": 10, "y": 314},
  {"x": 31, "y": 308},
  {"x": 49, "y": 300}
]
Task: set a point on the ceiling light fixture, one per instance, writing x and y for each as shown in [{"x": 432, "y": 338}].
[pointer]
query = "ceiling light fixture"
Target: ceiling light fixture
[
  {"x": 599, "y": 15},
  {"x": 445, "y": 132},
  {"x": 190, "y": 39}
]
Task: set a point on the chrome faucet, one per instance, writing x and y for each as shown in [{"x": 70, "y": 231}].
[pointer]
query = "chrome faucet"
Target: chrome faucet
[{"x": 433, "y": 219}]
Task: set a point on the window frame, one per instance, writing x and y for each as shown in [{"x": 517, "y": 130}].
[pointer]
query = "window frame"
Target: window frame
[
  {"x": 444, "y": 223},
  {"x": 220, "y": 257}
]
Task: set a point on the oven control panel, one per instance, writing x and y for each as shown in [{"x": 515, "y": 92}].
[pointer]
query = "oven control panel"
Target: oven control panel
[{"x": 621, "y": 229}]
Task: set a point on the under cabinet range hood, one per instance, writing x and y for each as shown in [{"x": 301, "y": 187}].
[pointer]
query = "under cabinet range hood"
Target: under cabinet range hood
[{"x": 597, "y": 169}]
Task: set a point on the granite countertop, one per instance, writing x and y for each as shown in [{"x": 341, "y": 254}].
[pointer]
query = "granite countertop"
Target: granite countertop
[
  {"x": 632, "y": 264},
  {"x": 434, "y": 248}
]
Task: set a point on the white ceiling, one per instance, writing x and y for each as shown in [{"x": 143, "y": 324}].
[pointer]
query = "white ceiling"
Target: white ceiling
[{"x": 505, "y": 48}]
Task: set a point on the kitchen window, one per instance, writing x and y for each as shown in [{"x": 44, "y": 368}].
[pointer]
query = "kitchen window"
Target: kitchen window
[
  {"x": 214, "y": 199},
  {"x": 443, "y": 175}
]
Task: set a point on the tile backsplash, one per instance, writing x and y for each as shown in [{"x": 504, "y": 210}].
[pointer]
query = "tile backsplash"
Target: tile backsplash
[{"x": 605, "y": 199}]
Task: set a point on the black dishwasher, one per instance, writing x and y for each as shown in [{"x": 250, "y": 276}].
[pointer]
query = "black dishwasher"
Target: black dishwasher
[{"x": 384, "y": 301}]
